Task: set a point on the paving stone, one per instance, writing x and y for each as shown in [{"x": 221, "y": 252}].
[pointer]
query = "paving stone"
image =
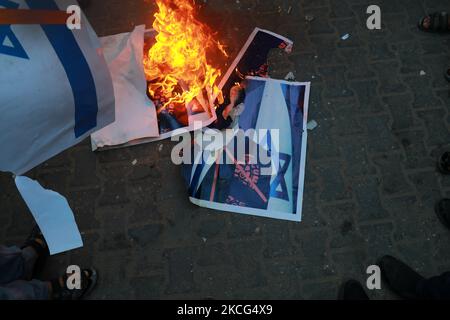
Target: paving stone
[
  {"x": 181, "y": 265},
  {"x": 209, "y": 229},
  {"x": 243, "y": 227},
  {"x": 381, "y": 138},
  {"x": 416, "y": 155},
  {"x": 336, "y": 84},
  {"x": 388, "y": 70},
  {"x": 334, "y": 186},
  {"x": 85, "y": 168},
  {"x": 83, "y": 203},
  {"x": 283, "y": 277},
  {"x": 380, "y": 50},
  {"x": 368, "y": 198},
  {"x": 357, "y": 160},
  {"x": 321, "y": 291},
  {"x": 247, "y": 260},
  {"x": 215, "y": 282},
  {"x": 278, "y": 241},
  {"x": 425, "y": 99},
  {"x": 344, "y": 231},
  {"x": 393, "y": 179},
  {"x": 320, "y": 24},
  {"x": 400, "y": 111},
  {"x": 149, "y": 287},
  {"x": 355, "y": 259},
  {"x": 438, "y": 130},
  {"x": 147, "y": 234},
  {"x": 214, "y": 254},
  {"x": 379, "y": 240},
  {"x": 428, "y": 188},
  {"x": 356, "y": 59},
  {"x": 369, "y": 100},
  {"x": 316, "y": 253}
]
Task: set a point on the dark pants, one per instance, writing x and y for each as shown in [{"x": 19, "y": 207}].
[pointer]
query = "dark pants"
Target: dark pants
[
  {"x": 16, "y": 267},
  {"x": 435, "y": 288}
]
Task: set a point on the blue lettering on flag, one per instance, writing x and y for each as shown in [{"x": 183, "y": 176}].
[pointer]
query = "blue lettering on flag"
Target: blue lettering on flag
[
  {"x": 76, "y": 67},
  {"x": 14, "y": 48}
]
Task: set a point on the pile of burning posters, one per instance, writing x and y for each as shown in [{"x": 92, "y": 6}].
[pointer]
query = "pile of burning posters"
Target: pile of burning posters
[
  {"x": 256, "y": 164},
  {"x": 170, "y": 61}
]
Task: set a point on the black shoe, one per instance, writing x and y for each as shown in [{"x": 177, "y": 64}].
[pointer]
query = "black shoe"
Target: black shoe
[
  {"x": 447, "y": 75},
  {"x": 444, "y": 163},
  {"x": 443, "y": 212},
  {"x": 352, "y": 290},
  {"x": 89, "y": 279},
  {"x": 400, "y": 278},
  {"x": 37, "y": 241}
]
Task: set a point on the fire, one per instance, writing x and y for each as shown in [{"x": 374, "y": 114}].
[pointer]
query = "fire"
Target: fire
[{"x": 176, "y": 65}]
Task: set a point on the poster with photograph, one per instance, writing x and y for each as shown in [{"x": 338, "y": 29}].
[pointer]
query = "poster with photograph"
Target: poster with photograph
[{"x": 273, "y": 117}]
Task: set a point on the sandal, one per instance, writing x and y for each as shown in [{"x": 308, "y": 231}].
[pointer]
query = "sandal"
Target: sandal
[
  {"x": 444, "y": 163},
  {"x": 438, "y": 23},
  {"x": 442, "y": 210},
  {"x": 62, "y": 292},
  {"x": 37, "y": 241}
]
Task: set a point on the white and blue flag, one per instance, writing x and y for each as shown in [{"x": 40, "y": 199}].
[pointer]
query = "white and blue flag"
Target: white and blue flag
[
  {"x": 269, "y": 106},
  {"x": 55, "y": 87}
]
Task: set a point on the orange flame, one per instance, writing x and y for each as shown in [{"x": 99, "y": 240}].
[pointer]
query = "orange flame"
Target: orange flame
[{"x": 178, "y": 59}]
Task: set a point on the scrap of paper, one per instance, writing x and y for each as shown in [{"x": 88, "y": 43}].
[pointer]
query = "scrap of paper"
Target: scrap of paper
[{"x": 53, "y": 215}]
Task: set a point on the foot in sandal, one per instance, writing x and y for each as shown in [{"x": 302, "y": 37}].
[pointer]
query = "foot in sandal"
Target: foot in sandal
[
  {"x": 37, "y": 244},
  {"x": 438, "y": 22},
  {"x": 59, "y": 289}
]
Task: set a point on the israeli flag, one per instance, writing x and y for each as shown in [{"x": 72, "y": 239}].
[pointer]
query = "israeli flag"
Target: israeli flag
[
  {"x": 280, "y": 109},
  {"x": 55, "y": 87}
]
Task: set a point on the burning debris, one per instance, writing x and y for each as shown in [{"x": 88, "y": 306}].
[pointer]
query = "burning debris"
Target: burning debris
[{"x": 176, "y": 65}]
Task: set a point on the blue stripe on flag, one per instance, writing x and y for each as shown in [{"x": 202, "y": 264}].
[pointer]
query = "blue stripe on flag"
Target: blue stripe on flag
[
  {"x": 253, "y": 99},
  {"x": 76, "y": 67},
  {"x": 295, "y": 96}
]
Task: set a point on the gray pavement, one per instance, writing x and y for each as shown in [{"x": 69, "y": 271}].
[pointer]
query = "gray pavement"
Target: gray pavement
[{"x": 371, "y": 181}]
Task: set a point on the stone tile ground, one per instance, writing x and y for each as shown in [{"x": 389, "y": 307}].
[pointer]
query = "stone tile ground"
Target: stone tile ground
[{"x": 371, "y": 181}]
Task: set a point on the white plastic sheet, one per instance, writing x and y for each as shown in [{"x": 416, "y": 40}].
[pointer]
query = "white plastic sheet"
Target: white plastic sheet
[{"x": 135, "y": 112}]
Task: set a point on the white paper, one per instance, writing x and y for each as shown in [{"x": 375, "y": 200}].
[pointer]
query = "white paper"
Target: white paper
[
  {"x": 135, "y": 112},
  {"x": 52, "y": 214}
]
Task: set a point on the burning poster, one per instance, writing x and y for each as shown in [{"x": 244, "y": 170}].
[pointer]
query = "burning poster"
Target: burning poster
[
  {"x": 55, "y": 87},
  {"x": 258, "y": 167},
  {"x": 252, "y": 60},
  {"x": 181, "y": 82},
  {"x": 256, "y": 164}
]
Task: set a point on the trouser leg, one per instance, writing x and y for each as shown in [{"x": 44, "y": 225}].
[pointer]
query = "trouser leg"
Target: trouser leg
[
  {"x": 25, "y": 290},
  {"x": 435, "y": 288}
]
